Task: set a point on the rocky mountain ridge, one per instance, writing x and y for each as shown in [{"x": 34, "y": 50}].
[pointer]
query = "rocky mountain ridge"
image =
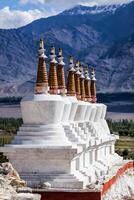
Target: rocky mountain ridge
[{"x": 86, "y": 10}]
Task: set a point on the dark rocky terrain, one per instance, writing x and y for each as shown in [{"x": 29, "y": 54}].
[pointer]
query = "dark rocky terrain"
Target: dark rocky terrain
[{"x": 102, "y": 37}]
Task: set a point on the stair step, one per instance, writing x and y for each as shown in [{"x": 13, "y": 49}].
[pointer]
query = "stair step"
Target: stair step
[
  {"x": 43, "y": 174},
  {"x": 67, "y": 185},
  {"x": 40, "y": 133},
  {"x": 40, "y": 129},
  {"x": 67, "y": 181},
  {"x": 62, "y": 184}
]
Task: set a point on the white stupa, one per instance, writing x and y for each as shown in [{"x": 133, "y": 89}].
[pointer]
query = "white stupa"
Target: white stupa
[{"x": 64, "y": 139}]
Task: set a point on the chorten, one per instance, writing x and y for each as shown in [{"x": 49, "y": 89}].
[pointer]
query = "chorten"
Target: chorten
[
  {"x": 71, "y": 91},
  {"x": 71, "y": 80},
  {"x": 77, "y": 80},
  {"x": 42, "y": 79},
  {"x": 93, "y": 86},
  {"x": 60, "y": 73},
  {"x": 52, "y": 79},
  {"x": 82, "y": 85},
  {"x": 87, "y": 86}
]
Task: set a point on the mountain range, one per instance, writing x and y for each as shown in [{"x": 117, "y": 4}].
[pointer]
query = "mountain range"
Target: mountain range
[{"x": 99, "y": 36}]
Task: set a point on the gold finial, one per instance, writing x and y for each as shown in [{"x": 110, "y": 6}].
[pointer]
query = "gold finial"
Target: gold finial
[
  {"x": 92, "y": 70},
  {"x": 41, "y": 45},
  {"x": 60, "y": 50},
  {"x": 77, "y": 68},
  {"x": 71, "y": 59},
  {"x": 77, "y": 62},
  {"x": 52, "y": 78},
  {"x": 93, "y": 74},
  {"x": 52, "y": 50},
  {"x": 71, "y": 64},
  {"x": 77, "y": 65}
]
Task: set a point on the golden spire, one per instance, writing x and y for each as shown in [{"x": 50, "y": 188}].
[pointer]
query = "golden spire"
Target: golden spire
[
  {"x": 52, "y": 79},
  {"x": 71, "y": 81},
  {"x": 77, "y": 80},
  {"x": 41, "y": 45},
  {"x": 87, "y": 86},
  {"x": 93, "y": 86},
  {"x": 82, "y": 84},
  {"x": 42, "y": 79},
  {"x": 60, "y": 73}
]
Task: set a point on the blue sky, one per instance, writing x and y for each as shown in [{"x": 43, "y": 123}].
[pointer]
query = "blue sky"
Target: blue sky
[
  {"x": 17, "y": 13},
  {"x": 25, "y": 5}
]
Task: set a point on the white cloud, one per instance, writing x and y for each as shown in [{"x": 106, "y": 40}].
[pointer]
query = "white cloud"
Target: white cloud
[
  {"x": 60, "y": 5},
  {"x": 104, "y": 2},
  {"x": 68, "y": 3},
  {"x": 33, "y": 1},
  {"x": 17, "y": 18}
]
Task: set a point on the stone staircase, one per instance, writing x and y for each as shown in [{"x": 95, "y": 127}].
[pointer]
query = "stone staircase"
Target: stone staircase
[
  {"x": 66, "y": 181},
  {"x": 39, "y": 134}
]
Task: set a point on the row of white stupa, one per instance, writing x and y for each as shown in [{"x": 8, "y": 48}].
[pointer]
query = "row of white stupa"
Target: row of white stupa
[{"x": 64, "y": 141}]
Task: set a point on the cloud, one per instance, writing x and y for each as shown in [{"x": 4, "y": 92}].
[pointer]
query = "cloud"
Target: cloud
[
  {"x": 60, "y": 5},
  {"x": 107, "y": 2},
  {"x": 33, "y": 1},
  {"x": 69, "y": 3},
  {"x": 17, "y": 18}
]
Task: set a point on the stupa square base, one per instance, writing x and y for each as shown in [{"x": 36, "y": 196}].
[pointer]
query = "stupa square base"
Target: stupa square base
[{"x": 38, "y": 165}]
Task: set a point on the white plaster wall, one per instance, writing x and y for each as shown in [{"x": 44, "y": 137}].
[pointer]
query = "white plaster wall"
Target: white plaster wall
[
  {"x": 42, "y": 109},
  {"x": 67, "y": 109},
  {"x": 93, "y": 113},
  {"x": 88, "y": 112},
  {"x": 81, "y": 111},
  {"x": 99, "y": 111},
  {"x": 74, "y": 105}
]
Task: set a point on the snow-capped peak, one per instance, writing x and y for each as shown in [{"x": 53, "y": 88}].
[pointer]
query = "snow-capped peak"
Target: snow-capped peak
[{"x": 95, "y": 9}]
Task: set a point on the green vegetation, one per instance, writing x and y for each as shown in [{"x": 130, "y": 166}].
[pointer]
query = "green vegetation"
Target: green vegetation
[
  {"x": 8, "y": 128},
  {"x": 123, "y": 127},
  {"x": 5, "y": 139},
  {"x": 125, "y": 147},
  {"x": 9, "y": 125}
]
